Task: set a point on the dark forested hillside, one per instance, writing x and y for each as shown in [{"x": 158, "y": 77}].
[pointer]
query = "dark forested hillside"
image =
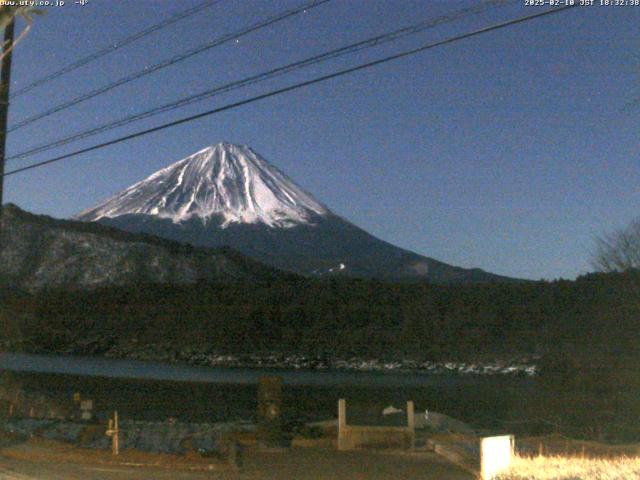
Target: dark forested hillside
[{"x": 597, "y": 313}]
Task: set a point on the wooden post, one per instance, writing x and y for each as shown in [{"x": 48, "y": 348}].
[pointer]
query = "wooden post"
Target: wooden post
[
  {"x": 342, "y": 413},
  {"x": 270, "y": 412},
  {"x": 235, "y": 455},
  {"x": 411, "y": 419},
  {"x": 113, "y": 431},
  {"x": 342, "y": 423},
  {"x": 116, "y": 435},
  {"x": 411, "y": 424}
]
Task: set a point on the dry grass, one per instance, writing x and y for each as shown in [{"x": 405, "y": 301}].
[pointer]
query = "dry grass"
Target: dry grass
[{"x": 572, "y": 468}]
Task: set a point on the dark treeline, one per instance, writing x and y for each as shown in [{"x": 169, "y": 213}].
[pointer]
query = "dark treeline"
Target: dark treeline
[{"x": 597, "y": 313}]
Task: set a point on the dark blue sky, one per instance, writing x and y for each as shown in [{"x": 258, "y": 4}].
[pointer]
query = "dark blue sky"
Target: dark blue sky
[{"x": 509, "y": 151}]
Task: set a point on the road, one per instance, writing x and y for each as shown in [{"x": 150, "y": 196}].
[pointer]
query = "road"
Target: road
[{"x": 295, "y": 463}]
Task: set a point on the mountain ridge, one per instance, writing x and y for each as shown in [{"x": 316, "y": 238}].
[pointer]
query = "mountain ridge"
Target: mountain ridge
[
  {"x": 227, "y": 194},
  {"x": 43, "y": 252}
]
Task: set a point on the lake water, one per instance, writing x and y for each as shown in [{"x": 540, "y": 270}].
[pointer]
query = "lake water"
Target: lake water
[
  {"x": 135, "y": 369},
  {"x": 155, "y": 391}
]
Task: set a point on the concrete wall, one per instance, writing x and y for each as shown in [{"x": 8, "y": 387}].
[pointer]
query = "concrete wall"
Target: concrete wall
[{"x": 351, "y": 436}]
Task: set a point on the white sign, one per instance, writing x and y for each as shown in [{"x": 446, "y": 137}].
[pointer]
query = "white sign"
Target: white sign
[{"x": 495, "y": 455}]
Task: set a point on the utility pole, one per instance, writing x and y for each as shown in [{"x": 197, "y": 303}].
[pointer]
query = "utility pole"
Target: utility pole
[
  {"x": 5, "y": 82},
  {"x": 5, "y": 79}
]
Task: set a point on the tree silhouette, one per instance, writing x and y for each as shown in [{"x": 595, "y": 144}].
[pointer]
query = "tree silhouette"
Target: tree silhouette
[{"x": 618, "y": 251}]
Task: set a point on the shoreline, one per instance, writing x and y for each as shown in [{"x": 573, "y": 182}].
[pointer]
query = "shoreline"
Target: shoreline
[{"x": 518, "y": 367}]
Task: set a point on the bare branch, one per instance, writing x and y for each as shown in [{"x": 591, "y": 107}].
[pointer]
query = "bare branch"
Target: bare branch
[{"x": 618, "y": 251}]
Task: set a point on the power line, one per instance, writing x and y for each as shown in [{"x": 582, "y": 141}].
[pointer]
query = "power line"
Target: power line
[
  {"x": 169, "y": 62},
  {"x": 290, "y": 88},
  {"x": 112, "y": 48},
  {"x": 254, "y": 79}
]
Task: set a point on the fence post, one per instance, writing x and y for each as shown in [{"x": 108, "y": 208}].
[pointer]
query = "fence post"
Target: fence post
[
  {"x": 270, "y": 413},
  {"x": 116, "y": 436},
  {"x": 411, "y": 419},
  {"x": 235, "y": 455},
  {"x": 113, "y": 432},
  {"x": 342, "y": 423}
]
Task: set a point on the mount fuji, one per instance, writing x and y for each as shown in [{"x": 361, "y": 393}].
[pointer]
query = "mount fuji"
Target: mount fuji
[{"x": 228, "y": 195}]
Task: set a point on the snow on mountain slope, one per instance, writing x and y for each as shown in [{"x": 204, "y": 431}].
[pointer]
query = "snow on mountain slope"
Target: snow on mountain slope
[
  {"x": 225, "y": 180},
  {"x": 227, "y": 195}
]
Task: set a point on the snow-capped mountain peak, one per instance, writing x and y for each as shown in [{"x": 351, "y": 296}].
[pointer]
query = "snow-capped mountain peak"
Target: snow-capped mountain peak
[{"x": 224, "y": 180}]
